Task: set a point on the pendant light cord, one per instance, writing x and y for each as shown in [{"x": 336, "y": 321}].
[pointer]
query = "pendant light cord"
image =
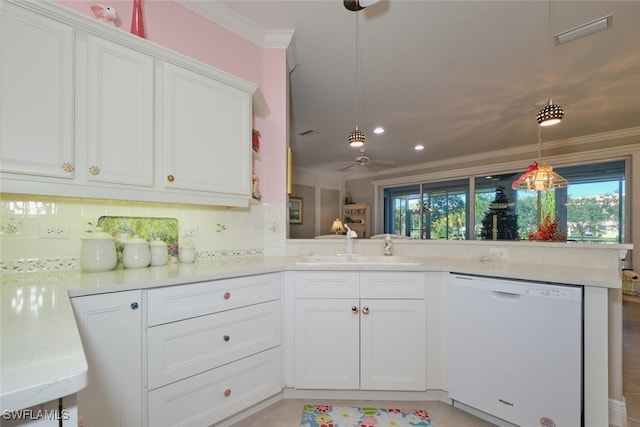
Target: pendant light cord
[
  {"x": 357, "y": 89},
  {"x": 539, "y": 144}
]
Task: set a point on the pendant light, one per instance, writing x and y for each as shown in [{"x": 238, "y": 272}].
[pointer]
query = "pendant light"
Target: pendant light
[
  {"x": 552, "y": 113},
  {"x": 356, "y": 137},
  {"x": 539, "y": 176}
]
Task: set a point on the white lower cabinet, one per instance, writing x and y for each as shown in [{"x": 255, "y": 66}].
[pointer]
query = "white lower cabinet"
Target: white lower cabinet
[
  {"x": 214, "y": 395},
  {"x": 111, "y": 330},
  {"x": 327, "y": 343},
  {"x": 191, "y": 354},
  {"x": 213, "y": 349},
  {"x": 369, "y": 335}
]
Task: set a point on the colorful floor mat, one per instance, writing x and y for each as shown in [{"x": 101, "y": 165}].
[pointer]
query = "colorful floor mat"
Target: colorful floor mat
[{"x": 346, "y": 416}]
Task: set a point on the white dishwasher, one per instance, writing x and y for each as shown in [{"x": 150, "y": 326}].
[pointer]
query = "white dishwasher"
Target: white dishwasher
[{"x": 515, "y": 349}]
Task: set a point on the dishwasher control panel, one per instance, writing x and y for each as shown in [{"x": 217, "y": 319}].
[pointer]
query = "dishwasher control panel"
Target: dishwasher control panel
[{"x": 516, "y": 287}]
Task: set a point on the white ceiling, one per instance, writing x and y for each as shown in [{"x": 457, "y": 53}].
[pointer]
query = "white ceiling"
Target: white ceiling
[{"x": 459, "y": 77}]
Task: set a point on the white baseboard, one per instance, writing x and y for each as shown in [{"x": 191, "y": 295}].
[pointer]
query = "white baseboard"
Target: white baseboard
[{"x": 618, "y": 413}]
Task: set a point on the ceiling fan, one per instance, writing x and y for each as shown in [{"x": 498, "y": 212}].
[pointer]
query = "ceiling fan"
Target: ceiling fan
[{"x": 364, "y": 161}]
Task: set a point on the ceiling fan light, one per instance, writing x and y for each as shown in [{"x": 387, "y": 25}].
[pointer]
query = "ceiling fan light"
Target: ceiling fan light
[
  {"x": 357, "y": 138},
  {"x": 550, "y": 115}
]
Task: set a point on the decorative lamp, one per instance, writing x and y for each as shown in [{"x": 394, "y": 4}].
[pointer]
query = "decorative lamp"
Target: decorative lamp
[
  {"x": 357, "y": 138},
  {"x": 550, "y": 115},
  {"x": 337, "y": 227},
  {"x": 539, "y": 177}
]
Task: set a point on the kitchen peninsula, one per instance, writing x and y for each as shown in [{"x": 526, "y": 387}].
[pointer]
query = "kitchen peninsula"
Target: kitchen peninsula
[{"x": 24, "y": 322}]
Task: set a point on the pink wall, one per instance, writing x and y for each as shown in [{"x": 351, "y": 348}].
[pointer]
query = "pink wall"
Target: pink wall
[{"x": 177, "y": 28}]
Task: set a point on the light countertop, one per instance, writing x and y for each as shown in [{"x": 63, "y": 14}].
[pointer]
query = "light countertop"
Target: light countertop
[{"x": 42, "y": 357}]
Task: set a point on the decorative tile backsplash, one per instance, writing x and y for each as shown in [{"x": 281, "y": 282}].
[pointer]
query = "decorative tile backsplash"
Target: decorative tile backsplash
[
  {"x": 216, "y": 232},
  {"x": 148, "y": 228}
]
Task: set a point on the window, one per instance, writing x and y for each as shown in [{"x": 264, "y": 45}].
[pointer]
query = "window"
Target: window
[
  {"x": 591, "y": 208},
  {"x": 428, "y": 211}
]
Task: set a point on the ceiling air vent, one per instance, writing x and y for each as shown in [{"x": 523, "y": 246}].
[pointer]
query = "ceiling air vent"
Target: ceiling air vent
[{"x": 584, "y": 30}]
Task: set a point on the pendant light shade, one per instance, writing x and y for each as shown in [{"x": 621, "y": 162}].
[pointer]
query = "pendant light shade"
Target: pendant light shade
[
  {"x": 550, "y": 115},
  {"x": 539, "y": 177},
  {"x": 357, "y": 138}
]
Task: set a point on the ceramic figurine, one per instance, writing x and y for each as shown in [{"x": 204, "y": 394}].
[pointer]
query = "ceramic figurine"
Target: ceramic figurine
[{"x": 106, "y": 14}]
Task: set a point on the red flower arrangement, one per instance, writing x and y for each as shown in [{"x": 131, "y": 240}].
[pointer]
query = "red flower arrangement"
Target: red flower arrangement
[{"x": 548, "y": 231}]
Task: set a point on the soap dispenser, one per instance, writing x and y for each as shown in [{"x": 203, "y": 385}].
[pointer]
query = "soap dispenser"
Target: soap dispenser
[{"x": 388, "y": 245}]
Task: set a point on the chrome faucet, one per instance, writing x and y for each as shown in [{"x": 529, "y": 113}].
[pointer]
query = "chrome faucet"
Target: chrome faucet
[{"x": 350, "y": 236}]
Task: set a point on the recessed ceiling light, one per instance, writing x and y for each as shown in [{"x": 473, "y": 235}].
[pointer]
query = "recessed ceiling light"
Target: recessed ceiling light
[
  {"x": 378, "y": 130},
  {"x": 419, "y": 147}
]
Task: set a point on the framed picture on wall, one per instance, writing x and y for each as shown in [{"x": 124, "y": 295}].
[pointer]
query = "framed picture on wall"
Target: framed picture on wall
[{"x": 295, "y": 210}]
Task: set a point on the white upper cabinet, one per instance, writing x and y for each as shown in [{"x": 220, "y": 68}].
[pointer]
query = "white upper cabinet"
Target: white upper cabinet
[
  {"x": 120, "y": 114},
  {"x": 36, "y": 95},
  {"x": 207, "y": 134},
  {"x": 150, "y": 124}
]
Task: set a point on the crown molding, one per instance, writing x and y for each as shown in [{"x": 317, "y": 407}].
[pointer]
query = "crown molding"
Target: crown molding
[{"x": 238, "y": 24}]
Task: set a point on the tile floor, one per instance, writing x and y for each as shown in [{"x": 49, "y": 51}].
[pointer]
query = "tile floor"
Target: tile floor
[{"x": 287, "y": 413}]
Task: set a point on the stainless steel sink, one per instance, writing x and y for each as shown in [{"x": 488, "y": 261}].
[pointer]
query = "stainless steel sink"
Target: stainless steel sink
[{"x": 355, "y": 259}]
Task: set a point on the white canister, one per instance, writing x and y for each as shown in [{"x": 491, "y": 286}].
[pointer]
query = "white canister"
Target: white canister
[
  {"x": 98, "y": 252},
  {"x": 159, "y": 252},
  {"x": 136, "y": 253},
  {"x": 187, "y": 253}
]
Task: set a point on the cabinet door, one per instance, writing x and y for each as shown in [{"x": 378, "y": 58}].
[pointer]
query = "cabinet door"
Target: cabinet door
[
  {"x": 36, "y": 95},
  {"x": 327, "y": 343},
  {"x": 393, "y": 345},
  {"x": 120, "y": 114},
  {"x": 111, "y": 330},
  {"x": 207, "y": 134}
]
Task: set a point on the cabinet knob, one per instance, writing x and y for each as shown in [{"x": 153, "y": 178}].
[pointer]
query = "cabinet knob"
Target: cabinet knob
[
  {"x": 170, "y": 178},
  {"x": 94, "y": 170},
  {"x": 226, "y": 337},
  {"x": 67, "y": 167},
  {"x": 365, "y": 310},
  {"x": 354, "y": 309},
  {"x": 227, "y": 393},
  {"x": 134, "y": 305},
  {"x": 226, "y": 295}
]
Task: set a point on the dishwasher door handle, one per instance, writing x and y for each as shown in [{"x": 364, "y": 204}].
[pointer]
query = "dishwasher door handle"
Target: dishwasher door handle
[{"x": 505, "y": 295}]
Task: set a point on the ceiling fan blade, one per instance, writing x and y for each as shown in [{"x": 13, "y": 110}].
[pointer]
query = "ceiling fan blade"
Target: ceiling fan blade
[
  {"x": 344, "y": 165},
  {"x": 388, "y": 163}
]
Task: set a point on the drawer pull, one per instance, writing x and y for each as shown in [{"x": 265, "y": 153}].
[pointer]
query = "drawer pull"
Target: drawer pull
[
  {"x": 365, "y": 310},
  {"x": 354, "y": 309},
  {"x": 134, "y": 305},
  {"x": 170, "y": 178},
  {"x": 226, "y": 337},
  {"x": 226, "y": 295},
  {"x": 227, "y": 393}
]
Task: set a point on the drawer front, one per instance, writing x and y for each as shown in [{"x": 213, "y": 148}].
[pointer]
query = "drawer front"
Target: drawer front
[
  {"x": 392, "y": 285},
  {"x": 327, "y": 284},
  {"x": 181, "y": 349},
  {"x": 198, "y": 299},
  {"x": 217, "y": 394}
]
